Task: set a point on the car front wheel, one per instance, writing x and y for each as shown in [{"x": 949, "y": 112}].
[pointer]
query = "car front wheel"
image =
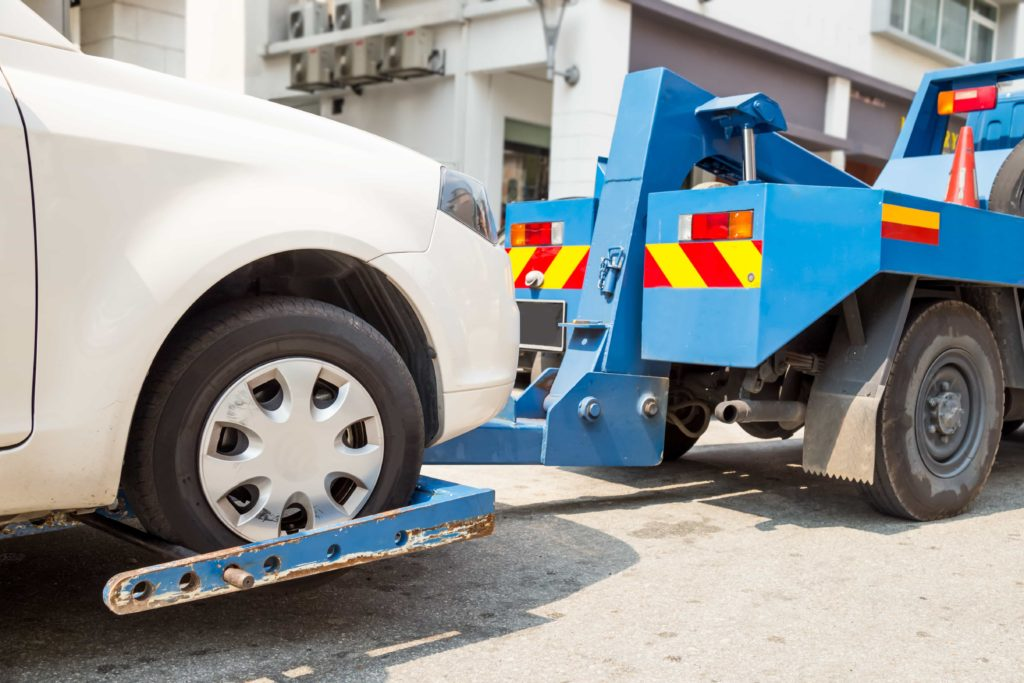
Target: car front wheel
[{"x": 270, "y": 416}]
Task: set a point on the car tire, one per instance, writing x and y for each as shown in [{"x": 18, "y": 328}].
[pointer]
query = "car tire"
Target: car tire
[
  {"x": 171, "y": 490},
  {"x": 941, "y": 415}
]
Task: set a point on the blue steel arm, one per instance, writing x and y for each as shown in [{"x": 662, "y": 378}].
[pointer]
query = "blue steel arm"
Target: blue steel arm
[{"x": 658, "y": 139}]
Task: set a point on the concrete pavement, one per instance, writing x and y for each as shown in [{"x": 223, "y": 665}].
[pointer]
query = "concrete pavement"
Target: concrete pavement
[{"x": 731, "y": 565}]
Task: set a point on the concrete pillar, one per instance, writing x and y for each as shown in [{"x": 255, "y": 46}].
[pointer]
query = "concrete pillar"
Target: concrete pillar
[
  {"x": 480, "y": 139},
  {"x": 55, "y": 12},
  {"x": 215, "y": 43},
  {"x": 595, "y": 37},
  {"x": 149, "y": 33},
  {"x": 837, "y": 116}
]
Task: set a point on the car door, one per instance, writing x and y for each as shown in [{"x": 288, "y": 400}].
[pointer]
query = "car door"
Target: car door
[{"x": 17, "y": 276}]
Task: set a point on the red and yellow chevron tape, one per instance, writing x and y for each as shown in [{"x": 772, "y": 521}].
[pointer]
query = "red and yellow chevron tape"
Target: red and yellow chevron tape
[
  {"x": 693, "y": 265},
  {"x": 563, "y": 267}
]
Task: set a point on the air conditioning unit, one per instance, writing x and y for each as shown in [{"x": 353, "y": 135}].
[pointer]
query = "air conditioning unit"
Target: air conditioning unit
[
  {"x": 307, "y": 18},
  {"x": 358, "y": 63},
  {"x": 411, "y": 54},
  {"x": 311, "y": 69},
  {"x": 355, "y": 13}
]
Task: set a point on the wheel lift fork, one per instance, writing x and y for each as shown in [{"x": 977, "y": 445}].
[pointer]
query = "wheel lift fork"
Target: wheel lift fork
[{"x": 440, "y": 513}]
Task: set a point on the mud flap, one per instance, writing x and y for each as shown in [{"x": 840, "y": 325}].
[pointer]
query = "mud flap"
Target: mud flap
[{"x": 842, "y": 412}]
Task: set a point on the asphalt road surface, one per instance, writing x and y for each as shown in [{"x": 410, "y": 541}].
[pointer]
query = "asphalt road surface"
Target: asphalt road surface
[{"x": 732, "y": 565}]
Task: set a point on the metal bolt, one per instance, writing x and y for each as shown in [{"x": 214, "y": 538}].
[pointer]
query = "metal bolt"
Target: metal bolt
[
  {"x": 239, "y": 578},
  {"x": 590, "y": 409},
  {"x": 649, "y": 406},
  {"x": 944, "y": 386},
  {"x": 933, "y": 402},
  {"x": 932, "y": 429}
]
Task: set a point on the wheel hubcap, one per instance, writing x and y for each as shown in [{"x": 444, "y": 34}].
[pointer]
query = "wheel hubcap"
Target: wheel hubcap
[
  {"x": 292, "y": 445},
  {"x": 949, "y": 414}
]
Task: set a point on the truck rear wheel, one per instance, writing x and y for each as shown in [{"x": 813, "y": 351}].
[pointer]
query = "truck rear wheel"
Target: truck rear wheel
[
  {"x": 941, "y": 415},
  {"x": 269, "y": 416},
  {"x": 1007, "y": 195}
]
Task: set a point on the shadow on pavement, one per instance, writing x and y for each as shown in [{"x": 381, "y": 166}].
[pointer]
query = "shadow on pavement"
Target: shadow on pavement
[
  {"x": 765, "y": 479},
  {"x": 56, "y": 628},
  {"x": 387, "y": 613}
]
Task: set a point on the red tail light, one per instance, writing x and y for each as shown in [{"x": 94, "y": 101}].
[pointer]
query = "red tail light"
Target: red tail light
[
  {"x": 967, "y": 100},
  {"x": 538, "y": 234},
  {"x": 725, "y": 225}
]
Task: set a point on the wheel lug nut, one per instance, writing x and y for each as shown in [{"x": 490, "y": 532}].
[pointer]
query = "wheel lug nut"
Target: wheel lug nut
[
  {"x": 933, "y": 402},
  {"x": 932, "y": 429},
  {"x": 944, "y": 386}
]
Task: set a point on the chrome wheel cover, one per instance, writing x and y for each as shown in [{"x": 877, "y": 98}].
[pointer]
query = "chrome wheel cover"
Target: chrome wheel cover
[{"x": 294, "y": 444}]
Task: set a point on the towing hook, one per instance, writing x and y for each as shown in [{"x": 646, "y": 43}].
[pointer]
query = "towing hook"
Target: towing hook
[
  {"x": 611, "y": 265},
  {"x": 534, "y": 279}
]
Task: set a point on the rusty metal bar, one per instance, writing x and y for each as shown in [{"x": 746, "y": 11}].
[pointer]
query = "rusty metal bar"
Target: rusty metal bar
[{"x": 440, "y": 513}]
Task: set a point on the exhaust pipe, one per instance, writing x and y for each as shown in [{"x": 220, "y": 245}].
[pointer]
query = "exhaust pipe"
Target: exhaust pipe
[{"x": 786, "y": 413}]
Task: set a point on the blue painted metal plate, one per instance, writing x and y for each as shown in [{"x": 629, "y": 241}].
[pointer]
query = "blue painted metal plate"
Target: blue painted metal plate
[{"x": 819, "y": 245}]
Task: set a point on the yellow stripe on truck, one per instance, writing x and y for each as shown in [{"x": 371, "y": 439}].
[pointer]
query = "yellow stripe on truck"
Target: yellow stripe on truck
[
  {"x": 561, "y": 269},
  {"x": 744, "y": 259},
  {"x": 904, "y": 215},
  {"x": 677, "y": 268},
  {"x": 519, "y": 256}
]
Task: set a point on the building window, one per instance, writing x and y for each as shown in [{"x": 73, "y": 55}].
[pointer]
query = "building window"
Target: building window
[
  {"x": 527, "y": 163},
  {"x": 964, "y": 28}
]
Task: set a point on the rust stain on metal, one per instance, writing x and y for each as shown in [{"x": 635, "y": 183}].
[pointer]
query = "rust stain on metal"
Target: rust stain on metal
[
  {"x": 52, "y": 521},
  {"x": 121, "y": 601}
]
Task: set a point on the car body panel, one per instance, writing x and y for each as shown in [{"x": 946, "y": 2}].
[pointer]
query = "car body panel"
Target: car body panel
[
  {"x": 149, "y": 190},
  {"x": 17, "y": 276},
  {"x": 472, "y": 317}
]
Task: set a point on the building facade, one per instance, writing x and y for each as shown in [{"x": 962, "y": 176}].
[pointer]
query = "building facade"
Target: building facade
[{"x": 469, "y": 85}]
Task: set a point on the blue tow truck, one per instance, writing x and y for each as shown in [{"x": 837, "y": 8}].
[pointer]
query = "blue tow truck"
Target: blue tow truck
[{"x": 884, "y": 321}]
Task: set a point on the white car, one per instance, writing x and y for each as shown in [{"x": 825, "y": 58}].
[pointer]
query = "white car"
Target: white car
[{"x": 249, "y": 319}]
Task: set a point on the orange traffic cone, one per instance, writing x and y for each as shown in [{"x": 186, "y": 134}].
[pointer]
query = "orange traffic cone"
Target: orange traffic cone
[{"x": 963, "y": 178}]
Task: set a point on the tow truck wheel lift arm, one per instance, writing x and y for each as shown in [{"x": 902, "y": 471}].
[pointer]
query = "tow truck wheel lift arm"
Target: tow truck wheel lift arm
[
  {"x": 439, "y": 514},
  {"x": 607, "y": 403}
]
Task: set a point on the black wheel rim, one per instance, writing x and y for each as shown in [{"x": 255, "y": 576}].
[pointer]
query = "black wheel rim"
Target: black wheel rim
[{"x": 950, "y": 414}]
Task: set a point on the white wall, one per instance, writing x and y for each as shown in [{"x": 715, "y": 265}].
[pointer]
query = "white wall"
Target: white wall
[
  {"x": 837, "y": 30},
  {"x": 422, "y": 115},
  {"x": 215, "y": 43},
  {"x": 595, "y": 37},
  {"x": 149, "y": 33},
  {"x": 417, "y": 114}
]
